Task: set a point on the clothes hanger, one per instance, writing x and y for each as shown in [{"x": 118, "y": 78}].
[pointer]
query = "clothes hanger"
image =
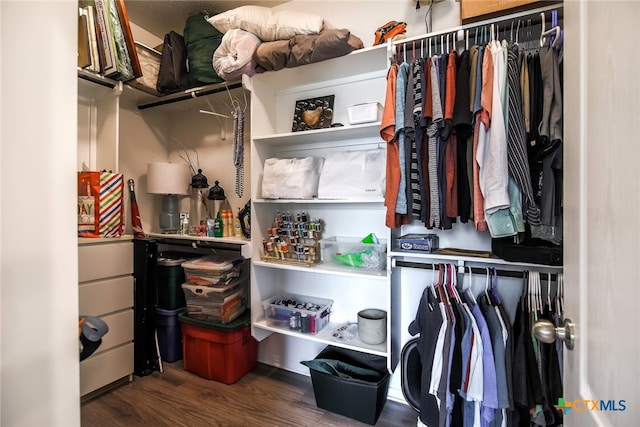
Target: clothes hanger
[
  {"x": 454, "y": 273},
  {"x": 468, "y": 291},
  {"x": 494, "y": 288},
  {"x": 554, "y": 31},
  {"x": 485, "y": 295}
]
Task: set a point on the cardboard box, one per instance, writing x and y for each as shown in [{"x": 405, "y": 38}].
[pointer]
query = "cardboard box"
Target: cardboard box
[
  {"x": 473, "y": 10},
  {"x": 425, "y": 243}
]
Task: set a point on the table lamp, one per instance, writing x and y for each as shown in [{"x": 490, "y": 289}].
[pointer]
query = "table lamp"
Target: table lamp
[{"x": 170, "y": 180}]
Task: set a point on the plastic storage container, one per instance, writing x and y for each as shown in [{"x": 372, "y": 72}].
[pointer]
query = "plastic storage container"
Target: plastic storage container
[
  {"x": 364, "y": 113},
  {"x": 170, "y": 279},
  {"x": 211, "y": 270},
  {"x": 169, "y": 335},
  {"x": 223, "y": 353},
  {"x": 350, "y": 252},
  {"x": 298, "y": 312},
  {"x": 217, "y": 304},
  {"x": 360, "y": 398}
]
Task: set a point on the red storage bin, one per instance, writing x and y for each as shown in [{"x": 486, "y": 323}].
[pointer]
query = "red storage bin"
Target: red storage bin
[{"x": 220, "y": 352}]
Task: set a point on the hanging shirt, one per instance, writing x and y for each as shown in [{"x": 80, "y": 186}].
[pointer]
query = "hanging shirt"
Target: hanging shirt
[
  {"x": 473, "y": 382},
  {"x": 494, "y": 163},
  {"x": 401, "y": 91},
  {"x": 438, "y": 359},
  {"x": 516, "y": 138},
  {"x": 478, "y": 198},
  {"x": 433, "y": 132},
  {"x": 490, "y": 389},
  {"x": 427, "y": 323},
  {"x": 387, "y": 133},
  {"x": 462, "y": 123}
]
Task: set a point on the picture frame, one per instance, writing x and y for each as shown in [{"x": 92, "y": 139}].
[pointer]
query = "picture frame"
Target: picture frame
[{"x": 313, "y": 113}]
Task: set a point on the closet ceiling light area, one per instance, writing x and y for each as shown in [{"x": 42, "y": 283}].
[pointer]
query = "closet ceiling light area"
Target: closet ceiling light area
[{"x": 161, "y": 16}]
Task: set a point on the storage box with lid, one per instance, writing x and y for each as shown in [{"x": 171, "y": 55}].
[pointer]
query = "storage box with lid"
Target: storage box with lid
[
  {"x": 223, "y": 353},
  {"x": 367, "y": 112},
  {"x": 218, "y": 304},
  {"x": 169, "y": 336},
  {"x": 352, "y": 252},
  {"x": 211, "y": 270},
  {"x": 285, "y": 310},
  {"x": 169, "y": 281}
]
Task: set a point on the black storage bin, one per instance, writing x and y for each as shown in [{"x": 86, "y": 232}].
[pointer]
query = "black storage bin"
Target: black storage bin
[
  {"x": 352, "y": 397},
  {"x": 170, "y": 279},
  {"x": 169, "y": 334}
]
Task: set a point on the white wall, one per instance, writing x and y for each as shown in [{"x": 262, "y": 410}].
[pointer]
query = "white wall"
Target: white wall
[
  {"x": 362, "y": 17},
  {"x": 39, "y": 375}
]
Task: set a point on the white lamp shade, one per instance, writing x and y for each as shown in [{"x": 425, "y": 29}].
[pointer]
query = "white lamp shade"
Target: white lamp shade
[{"x": 168, "y": 178}]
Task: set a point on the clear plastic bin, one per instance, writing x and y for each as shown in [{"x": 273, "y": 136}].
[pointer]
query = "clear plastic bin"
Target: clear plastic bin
[
  {"x": 213, "y": 304},
  {"x": 350, "y": 252},
  {"x": 284, "y": 310},
  {"x": 211, "y": 270}
]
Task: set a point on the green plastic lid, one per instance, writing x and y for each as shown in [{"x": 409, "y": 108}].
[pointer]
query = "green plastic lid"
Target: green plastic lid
[{"x": 241, "y": 322}]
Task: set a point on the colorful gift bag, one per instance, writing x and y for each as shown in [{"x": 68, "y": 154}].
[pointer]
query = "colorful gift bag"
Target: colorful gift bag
[{"x": 100, "y": 204}]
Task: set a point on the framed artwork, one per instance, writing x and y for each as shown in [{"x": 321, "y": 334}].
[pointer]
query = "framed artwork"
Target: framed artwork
[{"x": 313, "y": 113}]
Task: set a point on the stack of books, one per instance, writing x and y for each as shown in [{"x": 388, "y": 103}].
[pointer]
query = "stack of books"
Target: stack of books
[{"x": 105, "y": 42}]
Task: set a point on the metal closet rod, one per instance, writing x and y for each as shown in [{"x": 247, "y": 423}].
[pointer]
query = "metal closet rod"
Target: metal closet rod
[
  {"x": 477, "y": 270},
  {"x": 190, "y": 94},
  {"x": 533, "y": 14}
]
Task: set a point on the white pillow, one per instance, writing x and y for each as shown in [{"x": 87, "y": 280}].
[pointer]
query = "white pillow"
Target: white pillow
[{"x": 267, "y": 24}]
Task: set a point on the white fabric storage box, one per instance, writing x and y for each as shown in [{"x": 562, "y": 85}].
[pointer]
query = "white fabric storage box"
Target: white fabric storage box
[
  {"x": 291, "y": 178},
  {"x": 353, "y": 175},
  {"x": 150, "y": 63}
]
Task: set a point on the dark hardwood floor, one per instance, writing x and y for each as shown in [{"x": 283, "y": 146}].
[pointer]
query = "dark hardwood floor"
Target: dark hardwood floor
[{"x": 265, "y": 397}]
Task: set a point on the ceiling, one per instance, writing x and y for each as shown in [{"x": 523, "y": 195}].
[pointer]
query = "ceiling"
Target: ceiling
[{"x": 161, "y": 16}]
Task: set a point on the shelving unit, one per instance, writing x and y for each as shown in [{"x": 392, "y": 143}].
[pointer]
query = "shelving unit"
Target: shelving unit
[
  {"x": 355, "y": 78},
  {"x": 98, "y": 125}
]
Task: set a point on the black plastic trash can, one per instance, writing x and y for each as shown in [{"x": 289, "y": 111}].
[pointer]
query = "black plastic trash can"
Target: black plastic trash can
[{"x": 350, "y": 383}]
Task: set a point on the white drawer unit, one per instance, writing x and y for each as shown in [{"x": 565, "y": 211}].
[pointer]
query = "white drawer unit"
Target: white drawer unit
[{"x": 106, "y": 291}]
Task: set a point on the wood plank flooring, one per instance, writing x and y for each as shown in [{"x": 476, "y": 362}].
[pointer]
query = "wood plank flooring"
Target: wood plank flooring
[{"x": 265, "y": 397}]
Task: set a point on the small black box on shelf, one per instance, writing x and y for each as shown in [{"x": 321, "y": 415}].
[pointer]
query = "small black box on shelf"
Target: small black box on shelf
[{"x": 356, "y": 398}]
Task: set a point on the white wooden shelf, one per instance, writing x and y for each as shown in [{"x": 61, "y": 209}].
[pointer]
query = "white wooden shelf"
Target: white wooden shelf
[
  {"x": 324, "y": 269},
  {"x": 325, "y": 336},
  {"x": 327, "y": 136}
]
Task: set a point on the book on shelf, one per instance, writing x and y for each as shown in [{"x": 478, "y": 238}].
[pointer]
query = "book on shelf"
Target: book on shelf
[
  {"x": 123, "y": 60},
  {"x": 94, "y": 53},
  {"x": 84, "y": 57},
  {"x": 118, "y": 56},
  {"x": 128, "y": 38},
  {"x": 107, "y": 42}
]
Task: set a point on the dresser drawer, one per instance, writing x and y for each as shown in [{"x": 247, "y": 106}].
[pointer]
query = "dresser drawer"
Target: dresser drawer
[
  {"x": 105, "y": 296},
  {"x": 120, "y": 331},
  {"x": 100, "y": 260},
  {"x": 104, "y": 368}
]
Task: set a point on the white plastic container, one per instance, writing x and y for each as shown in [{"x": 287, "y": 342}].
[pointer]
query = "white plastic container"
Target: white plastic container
[{"x": 367, "y": 112}]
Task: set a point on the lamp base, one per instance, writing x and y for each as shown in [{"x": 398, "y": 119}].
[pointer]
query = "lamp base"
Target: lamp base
[{"x": 170, "y": 215}]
